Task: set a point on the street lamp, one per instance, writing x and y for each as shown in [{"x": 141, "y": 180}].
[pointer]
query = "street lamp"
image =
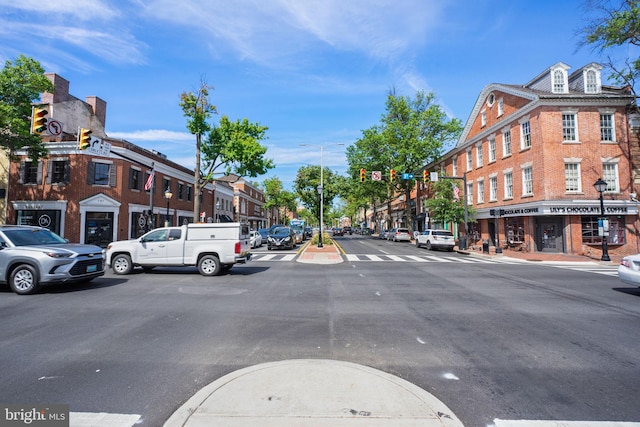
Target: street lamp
[
  {"x": 167, "y": 195},
  {"x": 320, "y": 187},
  {"x": 600, "y": 187},
  {"x": 217, "y": 211}
]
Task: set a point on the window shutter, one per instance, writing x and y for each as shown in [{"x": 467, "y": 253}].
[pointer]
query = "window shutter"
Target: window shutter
[
  {"x": 112, "y": 175},
  {"x": 39, "y": 181},
  {"x": 49, "y": 171},
  {"x": 22, "y": 172},
  {"x": 91, "y": 172},
  {"x": 67, "y": 171}
]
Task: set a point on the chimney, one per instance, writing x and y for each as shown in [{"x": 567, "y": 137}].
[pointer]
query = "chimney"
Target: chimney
[
  {"x": 99, "y": 108},
  {"x": 60, "y": 89}
]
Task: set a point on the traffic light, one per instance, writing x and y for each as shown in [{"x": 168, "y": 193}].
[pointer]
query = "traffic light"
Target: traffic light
[
  {"x": 392, "y": 175},
  {"x": 425, "y": 176},
  {"x": 38, "y": 120},
  {"x": 84, "y": 138},
  {"x": 363, "y": 174}
]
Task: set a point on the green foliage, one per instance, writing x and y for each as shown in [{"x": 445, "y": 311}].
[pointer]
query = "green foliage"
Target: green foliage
[
  {"x": 276, "y": 196},
  {"x": 443, "y": 206},
  {"x": 618, "y": 25},
  {"x": 21, "y": 83},
  {"x": 306, "y": 188},
  {"x": 236, "y": 146}
]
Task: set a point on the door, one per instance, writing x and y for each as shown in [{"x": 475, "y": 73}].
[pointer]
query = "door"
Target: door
[
  {"x": 153, "y": 249},
  {"x": 549, "y": 235}
]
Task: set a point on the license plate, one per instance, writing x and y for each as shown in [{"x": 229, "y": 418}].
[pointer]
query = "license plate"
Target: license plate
[{"x": 92, "y": 268}]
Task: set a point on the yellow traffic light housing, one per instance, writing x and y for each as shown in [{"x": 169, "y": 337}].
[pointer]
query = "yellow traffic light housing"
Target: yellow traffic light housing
[
  {"x": 38, "y": 120},
  {"x": 392, "y": 175},
  {"x": 84, "y": 139},
  {"x": 425, "y": 176},
  {"x": 363, "y": 174}
]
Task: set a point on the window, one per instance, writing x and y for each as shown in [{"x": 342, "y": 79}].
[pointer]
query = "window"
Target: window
[
  {"x": 166, "y": 185},
  {"x": 525, "y": 135},
  {"x": 493, "y": 188},
  {"x": 469, "y": 193},
  {"x": 606, "y": 127},
  {"x": 610, "y": 176},
  {"x": 135, "y": 183},
  {"x": 591, "y": 81},
  {"x": 101, "y": 173},
  {"x": 454, "y": 166},
  {"x": 58, "y": 171},
  {"x": 180, "y": 191},
  {"x": 617, "y": 234},
  {"x": 500, "y": 107},
  {"x": 469, "y": 160},
  {"x": 527, "y": 181},
  {"x": 484, "y": 118},
  {"x": 480, "y": 191},
  {"x": 572, "y": 177},
  {"x": 506, "y": 143},
  {"x": 558, "y": 81},
  {"x": 569, "y": 127},
  {"x": 492, "y": 150},
  {"x": 515, "y": 229},
  {"x": 479, "y": 159},
  {"x": 508, "y": 185},
  {"x": 30, "y": 172},
  {"x": 189, "y": 193}
]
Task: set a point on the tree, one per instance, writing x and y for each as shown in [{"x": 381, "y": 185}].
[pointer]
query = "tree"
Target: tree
[
  {"x": 197, "y": 110},
  {"x": 277, "y": 197},
  {"x": 232, "y": 145},
  {"x": 445, "y": 206},
  {"x": 617, "y": 26},
  {"x": 21, "y": 83},
  {"x": 306, "y": 188}
]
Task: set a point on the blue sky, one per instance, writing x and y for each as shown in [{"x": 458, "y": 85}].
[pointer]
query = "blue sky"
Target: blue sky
[{"x": 313, "y": 71}]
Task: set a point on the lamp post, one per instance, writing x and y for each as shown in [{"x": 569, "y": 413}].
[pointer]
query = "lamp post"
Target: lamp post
[
  {"x": 320, "y": 188},
  {"x": 217, "y": 211},
  {"x": 167, "y": 195},
  {"x": 600, "y": 187}
]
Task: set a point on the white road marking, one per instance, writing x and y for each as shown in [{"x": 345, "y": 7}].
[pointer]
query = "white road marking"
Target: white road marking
[{"x": 551, "y": 423}]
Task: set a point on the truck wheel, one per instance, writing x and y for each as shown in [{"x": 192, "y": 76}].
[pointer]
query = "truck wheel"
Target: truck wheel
[
  {"x": 121, "y": 264},
  {"x": 24, "y": 280},
  {"x": 209, "y": 265}
]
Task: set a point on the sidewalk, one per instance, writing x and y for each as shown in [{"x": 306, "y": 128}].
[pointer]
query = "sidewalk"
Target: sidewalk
[
  {"x": 538, "y": 256},
  {"x": 312, "y": 393}
]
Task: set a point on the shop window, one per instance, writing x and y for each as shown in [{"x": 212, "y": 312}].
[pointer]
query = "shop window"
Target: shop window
[
  {"x": 515, "y": 229},
  {"x": 617, "y": 233}
]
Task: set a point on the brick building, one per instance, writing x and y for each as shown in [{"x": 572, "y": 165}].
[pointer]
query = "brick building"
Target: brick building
[
  {"x": 98, "y": 195},
  {"x": 531, "y": 154},
  {"x": 249, "y": 204}
]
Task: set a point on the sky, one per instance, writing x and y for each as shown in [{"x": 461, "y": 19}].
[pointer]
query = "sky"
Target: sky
[{"x": 315, "y": 72}]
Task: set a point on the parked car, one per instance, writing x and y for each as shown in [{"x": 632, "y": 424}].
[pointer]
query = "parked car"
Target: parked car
[
  {"x": 399, "y": 235},
  {"x": 264, "y": 233},
  {"x": 347, "y": 230},
  {"x": 436, "y": 239},
  {"x": 337, "y": 231},
  {"x": 256, "y": 239},
  {"x": 308, "y": 232},
  {"x": 383, "y": 234},
  {"x": 629, "y": 270},
  {"x": 34, "y": 256},
  {"x": 281, "y": 238}
]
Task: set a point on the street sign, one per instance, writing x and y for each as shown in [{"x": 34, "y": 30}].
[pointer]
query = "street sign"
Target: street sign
[
  {"x": 433, "y": 176},
  {"x": 54, "y": 128},
  {"x": 407, "y": 176},
  {"x": 99, "y": 147},
  {"x": 376, "y": 176}
]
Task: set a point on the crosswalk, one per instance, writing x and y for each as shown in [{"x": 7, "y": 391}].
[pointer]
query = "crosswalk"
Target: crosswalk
[{"x": 590, "y": 267}]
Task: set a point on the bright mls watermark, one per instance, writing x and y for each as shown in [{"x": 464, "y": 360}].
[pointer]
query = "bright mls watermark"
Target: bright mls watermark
[{"x": 34, "y": 415}]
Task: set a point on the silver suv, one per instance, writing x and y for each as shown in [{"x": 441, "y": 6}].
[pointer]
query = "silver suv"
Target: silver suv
[{"x": 34, "y": 256}]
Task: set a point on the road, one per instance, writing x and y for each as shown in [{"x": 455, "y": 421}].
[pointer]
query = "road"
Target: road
[{"x": 498, "y": 340}]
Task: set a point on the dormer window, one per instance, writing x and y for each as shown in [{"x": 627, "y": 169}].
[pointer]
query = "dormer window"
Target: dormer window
[
  {"x": 559, "y": 80},
  {"x": 591, "y": 81}
]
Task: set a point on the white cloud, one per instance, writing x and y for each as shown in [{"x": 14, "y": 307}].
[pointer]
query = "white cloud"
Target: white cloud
[{"x": 85, "y": 10}]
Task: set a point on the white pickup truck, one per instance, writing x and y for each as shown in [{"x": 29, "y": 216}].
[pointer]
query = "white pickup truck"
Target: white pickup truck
[{"x": 213, "y": 248}]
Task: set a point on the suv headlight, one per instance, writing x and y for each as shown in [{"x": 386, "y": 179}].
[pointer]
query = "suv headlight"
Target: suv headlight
[{"x": 58, "y": 254}]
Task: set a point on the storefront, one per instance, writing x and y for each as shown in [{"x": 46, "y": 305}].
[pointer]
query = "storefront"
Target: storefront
[
  {"x": 572, "y": 226},
  {"x": 47, "y": 214}
]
